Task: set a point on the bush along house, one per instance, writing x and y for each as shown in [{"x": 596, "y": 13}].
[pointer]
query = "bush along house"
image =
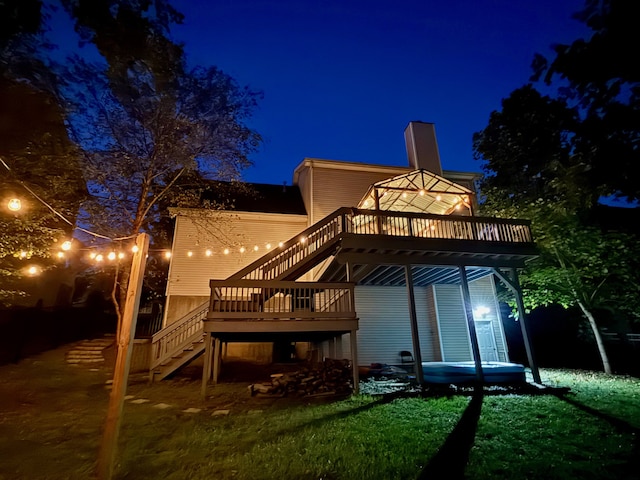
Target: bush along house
[{"x": 376, "y": 264}]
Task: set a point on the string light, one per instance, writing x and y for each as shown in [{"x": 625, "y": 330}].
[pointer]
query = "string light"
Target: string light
[
  {"x": 208, "y": 253},
  {"x": 66, "y": 246},
  {"x": 226, "y": 251},
  {"x": 256, "y": 248},
  {"x": 14, "y": 204},
  {"x": 242, "y": 249},
  {"x": 111, "y": 256},
  {"x": 167, "y": 255},
  {"x": 33, "y": 270},
  {"x": 189, "y": 253}
]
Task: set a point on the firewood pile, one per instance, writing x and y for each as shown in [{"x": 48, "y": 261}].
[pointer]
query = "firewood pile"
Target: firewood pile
[{"x": 330, "y": 377}]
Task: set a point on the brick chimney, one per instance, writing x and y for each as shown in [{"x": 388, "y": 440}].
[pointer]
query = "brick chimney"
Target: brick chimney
[{"x": 422, "y": 147}]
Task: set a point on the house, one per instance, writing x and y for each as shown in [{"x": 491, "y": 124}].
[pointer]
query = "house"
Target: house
[{"x": 353, "y": 260}]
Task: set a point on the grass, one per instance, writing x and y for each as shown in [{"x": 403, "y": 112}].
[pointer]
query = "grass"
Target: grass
[
  {"x": 512, "y": 436},
  {"x": 55, "y": 415}
]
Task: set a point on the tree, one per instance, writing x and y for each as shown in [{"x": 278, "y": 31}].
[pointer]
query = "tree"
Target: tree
[
  {"x": 551, "y": 158},
  {"x": 601, "y": 77},
  {"x": 144, "y": 119},
  {"x": 34, "y": 149}
]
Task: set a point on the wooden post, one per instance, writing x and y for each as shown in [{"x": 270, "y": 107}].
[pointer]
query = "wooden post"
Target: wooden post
[
  {"x": 217, "y": 349},
  {"x": 206, "y": 369},
  {"x": 514, "y": 286},
  {"x": 354, "y": 361},
  {"x": 108, "y": 448},
  {"x": 413, "y": 316},
  {"x": 475, "y": 348}
]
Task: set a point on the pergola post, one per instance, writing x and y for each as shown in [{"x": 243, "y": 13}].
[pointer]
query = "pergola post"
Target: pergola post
[
  {"x": 413, "y": 316},
  {"x": 514, "y": 285},
  {"x": 475, "y": 348},
  {"x": 376, "y": 201}
]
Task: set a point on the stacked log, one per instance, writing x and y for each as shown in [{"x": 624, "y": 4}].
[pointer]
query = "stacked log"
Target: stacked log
[{"x": 330, "y": 377}]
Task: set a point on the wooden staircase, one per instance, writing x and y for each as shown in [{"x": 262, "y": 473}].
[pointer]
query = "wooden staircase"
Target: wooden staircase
[{"x": 177, "y": 344}]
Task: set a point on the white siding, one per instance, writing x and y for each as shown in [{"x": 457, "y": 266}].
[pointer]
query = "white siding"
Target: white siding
[
  {"x": 335, "y": 188},
  {"x": 385, "y": 327},
  {"x": 483, "y": 292},
  {"x": 432, "y": 320},
  {"x": 190, "y": 275},
  {"x": 452, "y": 324}
]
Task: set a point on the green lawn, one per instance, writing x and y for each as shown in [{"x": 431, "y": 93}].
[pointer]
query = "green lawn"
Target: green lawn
[
  {"x": 50, "y": 422},
  {"x": 588, "y": 433}
]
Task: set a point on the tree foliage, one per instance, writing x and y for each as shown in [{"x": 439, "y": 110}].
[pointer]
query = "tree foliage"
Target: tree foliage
[
  {"x": 550, "y": 158},
  {"x": 35, "y": 150},
  {"x": 139, "y": 118}
]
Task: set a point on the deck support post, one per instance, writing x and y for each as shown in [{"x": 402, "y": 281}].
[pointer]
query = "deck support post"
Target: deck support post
[
  {"x": 514, "y": 285},
  {"x": 217, "y": 348},
  {"x": 354, "y": 360},
  {"x": 468, "y": 310},
  {"x": 206, "y": 369},
  {"x": 417, "y": 355},
  {"x": 332, "y": 347}
]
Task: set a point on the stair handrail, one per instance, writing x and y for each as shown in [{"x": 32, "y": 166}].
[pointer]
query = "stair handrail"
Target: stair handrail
[
  {"x": 280, "y": 255},
  {"x": 175, "y": 337}
]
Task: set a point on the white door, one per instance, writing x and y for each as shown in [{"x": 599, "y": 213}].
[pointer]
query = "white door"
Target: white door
[{"x": 486, "y": 341}]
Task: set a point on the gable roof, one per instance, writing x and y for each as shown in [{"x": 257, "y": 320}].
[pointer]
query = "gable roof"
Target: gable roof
[{"x": 417, "y": 191}]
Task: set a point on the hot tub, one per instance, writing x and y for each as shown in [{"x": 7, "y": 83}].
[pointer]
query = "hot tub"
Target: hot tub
[{"x": 465, "y": 372}]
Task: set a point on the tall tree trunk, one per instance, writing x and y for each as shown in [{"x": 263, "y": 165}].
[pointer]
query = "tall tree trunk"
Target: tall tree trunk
[{"x": 596, "y": 333}]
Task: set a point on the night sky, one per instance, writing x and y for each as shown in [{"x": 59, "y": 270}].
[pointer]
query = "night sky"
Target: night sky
[{"x": 342, "y": 78}]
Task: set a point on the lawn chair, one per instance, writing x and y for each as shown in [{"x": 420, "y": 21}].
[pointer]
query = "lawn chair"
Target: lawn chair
[{"x": 407, "y": 361}]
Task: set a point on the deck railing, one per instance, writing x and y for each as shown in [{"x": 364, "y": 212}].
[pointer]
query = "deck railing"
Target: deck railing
[
  {"x": 255, "y": 299},
  {"x": 174, "y": 338},
  {"x": 326, "y": 233}
]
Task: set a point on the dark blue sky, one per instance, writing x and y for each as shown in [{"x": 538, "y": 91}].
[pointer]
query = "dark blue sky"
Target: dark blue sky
[{"x": 342, "y": 78}]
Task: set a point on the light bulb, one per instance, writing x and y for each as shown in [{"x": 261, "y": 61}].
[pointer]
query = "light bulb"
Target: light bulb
[{"x": 14, "y": 204}]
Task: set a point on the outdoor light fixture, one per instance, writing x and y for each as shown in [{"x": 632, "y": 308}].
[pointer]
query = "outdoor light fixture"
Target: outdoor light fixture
[
  {"x": 268, "y": 246},
  {"x": 167, "y": 254},
  {"x": 111, "y": 256},
  {"x": 480, "y": 311},
  {"x": 189, "y": 253},
  {"x": 66, "y": 246},
  {"x": 226, "y": 251},
  {"x": 134, "y": 249},
  {"x": 14, "y": 204},
  {"x": 242, "y": 249}
]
